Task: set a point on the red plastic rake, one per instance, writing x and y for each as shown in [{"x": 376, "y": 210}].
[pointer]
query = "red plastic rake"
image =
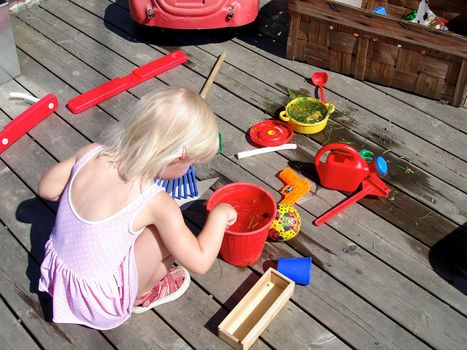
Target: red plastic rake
[{"x": 371, "y": 185}]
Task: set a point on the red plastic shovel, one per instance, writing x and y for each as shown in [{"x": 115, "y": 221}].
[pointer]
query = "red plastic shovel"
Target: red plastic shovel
[
  {"x": 320, "y": 79},
  {"x": 371, "y": 185}
]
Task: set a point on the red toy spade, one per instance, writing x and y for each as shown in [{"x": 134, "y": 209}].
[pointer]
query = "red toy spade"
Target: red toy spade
[{"x": 320, "y": 79}]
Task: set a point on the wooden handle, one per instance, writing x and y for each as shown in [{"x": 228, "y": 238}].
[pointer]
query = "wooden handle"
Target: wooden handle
[{"x": 207, "y": 85}]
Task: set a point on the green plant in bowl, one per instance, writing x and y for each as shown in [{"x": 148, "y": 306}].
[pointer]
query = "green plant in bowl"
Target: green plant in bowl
[{"x": 306, "y": 110}]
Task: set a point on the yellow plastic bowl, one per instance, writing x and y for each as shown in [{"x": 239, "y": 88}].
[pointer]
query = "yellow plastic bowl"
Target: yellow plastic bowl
[{"x": 307, "y": 128}]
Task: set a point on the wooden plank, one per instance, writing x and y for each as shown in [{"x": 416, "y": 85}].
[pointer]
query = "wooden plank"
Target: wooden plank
[
  {"x": 461, "y": 85},
  {"x": 13, "y": 335},
  {"x": 362, "y": 53}
]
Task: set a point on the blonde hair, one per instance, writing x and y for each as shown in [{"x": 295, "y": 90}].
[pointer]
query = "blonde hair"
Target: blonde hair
[{"x": 164, "y": 126}]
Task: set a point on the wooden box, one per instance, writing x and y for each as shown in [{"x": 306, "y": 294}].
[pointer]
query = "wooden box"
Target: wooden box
[
  {"x": 383, "y": 49},
  {"x": 245, "y": 323}
]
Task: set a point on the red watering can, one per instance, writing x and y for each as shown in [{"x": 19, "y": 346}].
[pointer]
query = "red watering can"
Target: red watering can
[{"x": 344, "y": 168}]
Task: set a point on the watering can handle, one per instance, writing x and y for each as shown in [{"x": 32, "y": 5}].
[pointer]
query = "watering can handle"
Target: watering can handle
[{"x": 335, "y": 147}]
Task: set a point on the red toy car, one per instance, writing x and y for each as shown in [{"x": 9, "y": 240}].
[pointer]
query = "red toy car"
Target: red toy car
[{"x": 194, "y": 14}]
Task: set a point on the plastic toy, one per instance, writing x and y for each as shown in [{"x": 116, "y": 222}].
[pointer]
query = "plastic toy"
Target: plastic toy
[
  {"x": 286, "y": 225},
  {"x": 372, "y": 185},
  {"x": 270, "y": 133},
  {"x": 189, "y": 14},
  {"x": 41, "y": 109},
  {"x": 344, "y": 168},
  {"x": 115, "y": 86},
  {"x": 295, "y": 187},
  {"x": 182, "y": 187},
  {"x": 297, "y": 269},
  {"x": 254, "y": 152},
  {"x": 320, "y": 79},
  {"x": 312, "y": 127},
  {"x": 256, "y": 208}
]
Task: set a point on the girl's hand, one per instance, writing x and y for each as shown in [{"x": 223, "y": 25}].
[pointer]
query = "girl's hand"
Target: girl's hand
[{"x": 229, "y": 212}]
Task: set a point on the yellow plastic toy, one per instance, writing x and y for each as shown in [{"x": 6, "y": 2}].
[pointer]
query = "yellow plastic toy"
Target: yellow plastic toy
[
  {"x": 286, "y": 225},
  {"x": 307, "y": 128},
  {"x": 295, "y": 187}
]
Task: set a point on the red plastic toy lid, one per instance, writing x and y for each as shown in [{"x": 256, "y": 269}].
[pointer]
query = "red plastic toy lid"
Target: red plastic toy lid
[{"x": 271, "y": 133}]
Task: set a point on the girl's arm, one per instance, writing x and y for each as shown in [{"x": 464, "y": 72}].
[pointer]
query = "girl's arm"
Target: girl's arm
[
  {"x": 197, "y": 254},
  {"x": 54, "y": 180}
]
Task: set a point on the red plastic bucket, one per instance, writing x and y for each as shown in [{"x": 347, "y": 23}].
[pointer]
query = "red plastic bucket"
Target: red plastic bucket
[{"x": 256, "y": 209}]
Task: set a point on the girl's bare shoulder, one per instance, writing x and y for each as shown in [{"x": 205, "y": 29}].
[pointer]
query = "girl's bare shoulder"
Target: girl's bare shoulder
[{"x": 82, "y": 151}]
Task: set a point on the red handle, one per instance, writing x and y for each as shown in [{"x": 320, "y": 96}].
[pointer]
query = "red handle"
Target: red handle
[
  {"x": 335, "y": 147},
  {"x": 115, "y": 86},
  {"x": 372, "y": 185},
  {"x": 321, "y": 93},
  {"x": 343, "y": 205},
  {"x": 27, "y": 120}
]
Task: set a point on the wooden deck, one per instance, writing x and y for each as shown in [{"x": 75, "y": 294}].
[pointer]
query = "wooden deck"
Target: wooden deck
[{"x": 387, "y": 273}]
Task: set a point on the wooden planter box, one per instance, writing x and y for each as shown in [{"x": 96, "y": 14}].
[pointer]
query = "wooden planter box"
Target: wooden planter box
[
  {"x": 382, "y": 49},
  {"x": 245, "y": 323}
]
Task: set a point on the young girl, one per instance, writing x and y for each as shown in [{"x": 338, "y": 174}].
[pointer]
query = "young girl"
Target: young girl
[{"x": 117, "y": 234}]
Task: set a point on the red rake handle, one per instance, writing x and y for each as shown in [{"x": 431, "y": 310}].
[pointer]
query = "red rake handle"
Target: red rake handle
[
  {"x": 372, "y": 185},
  {"x": 27, "y": 120},
  {"x": 342, "y": 206},
  {"x": 115, "y": 86}
]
